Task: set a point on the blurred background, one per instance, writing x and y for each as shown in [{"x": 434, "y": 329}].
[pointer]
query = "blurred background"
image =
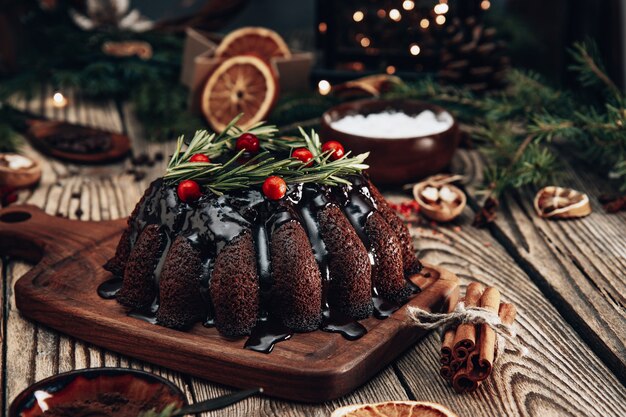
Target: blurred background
[
  {"x": 537, "y": 33},
  {"x": 375, "y": 36}
]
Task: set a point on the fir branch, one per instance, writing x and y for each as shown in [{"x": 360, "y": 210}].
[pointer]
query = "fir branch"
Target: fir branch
[
  {"x": 9, "y": 139},
  {"x": 590, "y": 70}
]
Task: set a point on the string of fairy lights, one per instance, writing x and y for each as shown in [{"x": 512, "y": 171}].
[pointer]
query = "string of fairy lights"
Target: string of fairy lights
[{"x": 388, "y": 33}]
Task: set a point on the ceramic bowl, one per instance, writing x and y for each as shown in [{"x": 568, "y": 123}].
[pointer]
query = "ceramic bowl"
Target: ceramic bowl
[
  {"x": 85, "y": 384},
  {"x": 395, "y": 161}
]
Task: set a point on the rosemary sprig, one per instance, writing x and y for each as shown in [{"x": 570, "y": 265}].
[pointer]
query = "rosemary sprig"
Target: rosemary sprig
[
  {"x": 233, "y": 174},
  {"x": 330, "y": 173},
  {"x": 214, "y": 145},
  {"x": 312, "y": 142}
]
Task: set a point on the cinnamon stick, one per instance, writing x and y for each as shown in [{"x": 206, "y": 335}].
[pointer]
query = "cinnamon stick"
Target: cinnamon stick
[
  {"x": 465, "y": 337},
  {"x": 479, "y": 367},
  {"x": 490, "y": 300},
  {"x": 462, "y": 382},
  {"x": 446, "y": 346},
  {"x": 446, "y": 372}
]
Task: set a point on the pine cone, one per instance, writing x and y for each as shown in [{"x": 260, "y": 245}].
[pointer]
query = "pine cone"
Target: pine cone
[{"x": 473, "y": 56}]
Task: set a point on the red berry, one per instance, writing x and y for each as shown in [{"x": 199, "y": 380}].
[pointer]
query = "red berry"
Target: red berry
[
  {"x": 199, "y": 157},
  {"x": 248, "y": 142},
  {"x": 189, "y": 191},
  {"x": 335, "y": 147},
  {"x": 274, "y": 188},
  {"x": 304, "y": 155}
]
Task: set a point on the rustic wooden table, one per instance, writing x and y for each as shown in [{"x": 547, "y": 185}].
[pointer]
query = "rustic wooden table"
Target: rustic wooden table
[{"x": 567, "y": 278}]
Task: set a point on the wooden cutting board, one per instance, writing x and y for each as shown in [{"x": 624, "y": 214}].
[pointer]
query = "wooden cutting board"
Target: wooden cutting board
[{"x": 60, "y": 292}]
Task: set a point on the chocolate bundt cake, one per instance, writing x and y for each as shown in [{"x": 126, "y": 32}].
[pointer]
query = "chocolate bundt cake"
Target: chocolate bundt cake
[{"x": 322, "y": 256}]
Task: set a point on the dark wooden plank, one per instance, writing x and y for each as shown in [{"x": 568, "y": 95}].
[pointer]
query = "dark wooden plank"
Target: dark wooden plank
[
  {"x": 579, "y": 264},
  {"x": 560, "y": 375}
]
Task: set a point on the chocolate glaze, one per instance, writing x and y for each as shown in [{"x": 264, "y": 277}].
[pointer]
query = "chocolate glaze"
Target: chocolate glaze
[
  {"x": 214, "y": 221},
  {"x": 334, "y": 322},
  {"x": 108, "y": 289},
  {"x": 309, "y": 200},
  {"x": 266, "y": 334}
]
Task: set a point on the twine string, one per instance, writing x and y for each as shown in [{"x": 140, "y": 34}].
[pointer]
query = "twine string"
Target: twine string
[{"x": 506, "y": 334}]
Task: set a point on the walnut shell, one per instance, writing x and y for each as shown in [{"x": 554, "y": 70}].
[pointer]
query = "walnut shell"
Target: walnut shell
[
  {"x": 443, "y": 209},
  {"x": 21, "y": 177},
  {"x": 554, "y": 202}
]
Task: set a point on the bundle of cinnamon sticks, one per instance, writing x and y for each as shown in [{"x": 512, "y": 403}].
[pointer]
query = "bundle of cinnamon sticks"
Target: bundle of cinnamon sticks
[{"x": 468, "y": 351}]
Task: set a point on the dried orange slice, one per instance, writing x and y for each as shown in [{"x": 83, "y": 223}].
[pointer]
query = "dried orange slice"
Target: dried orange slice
[
  {"x": 561, "y": 203},
  {"x": 253, "y": 40},
  {"x": 395, "y": 409},
  {"x": 240, "y": 84}
]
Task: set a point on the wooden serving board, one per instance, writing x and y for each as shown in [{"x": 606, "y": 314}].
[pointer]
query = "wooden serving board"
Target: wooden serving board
[{"x": 60, "y": 291}]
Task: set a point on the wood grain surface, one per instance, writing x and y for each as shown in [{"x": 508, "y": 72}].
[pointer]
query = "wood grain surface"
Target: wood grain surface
[
  {"x": 580, "y": 265},
  {"x": 559, "y": 376}
]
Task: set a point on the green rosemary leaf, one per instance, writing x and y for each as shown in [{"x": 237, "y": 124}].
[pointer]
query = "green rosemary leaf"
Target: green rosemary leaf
[{"x": 235, "y": 174}]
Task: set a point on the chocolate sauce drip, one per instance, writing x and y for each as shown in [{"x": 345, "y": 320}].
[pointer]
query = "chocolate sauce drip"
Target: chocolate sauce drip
[
  {"x": 384, "y": 308},
  {"x": 148, "y": 314},
  {"x": 312, "y": 200},
  {"x": 160, "y": 206},
  {"x": 269, "y": 218},
  {"x": 358, "y": 205},
  {"x": 266, "y": 334},
  {"x": 334, "y": 322},
  {"x": 109, "y": 288}
]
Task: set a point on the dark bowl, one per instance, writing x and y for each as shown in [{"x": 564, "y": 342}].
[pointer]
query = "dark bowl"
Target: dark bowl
[
  {"x": 395, "y": 161},
  {"x": 86, "y": 384}
]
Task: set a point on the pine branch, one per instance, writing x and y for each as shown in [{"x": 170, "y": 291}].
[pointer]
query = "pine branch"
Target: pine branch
[{"x": 590, "y": 70}]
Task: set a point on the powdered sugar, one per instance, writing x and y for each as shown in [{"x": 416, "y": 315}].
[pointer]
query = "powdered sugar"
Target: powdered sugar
[{"x": 394, "y": 125}]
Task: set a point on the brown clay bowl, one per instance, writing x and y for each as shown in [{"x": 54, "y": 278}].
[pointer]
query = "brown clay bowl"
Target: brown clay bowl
[
  {"x": 86, "y": 384},
  {"x": 395, "y": 161}
]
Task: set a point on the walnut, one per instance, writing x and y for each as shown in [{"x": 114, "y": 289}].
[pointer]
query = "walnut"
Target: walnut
[
  {"x": 18, "y": 171},
  {"x": 440, "y": 200}
]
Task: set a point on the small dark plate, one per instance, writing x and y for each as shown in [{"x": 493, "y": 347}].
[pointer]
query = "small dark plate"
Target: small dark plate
[
  {"x": 81, "y": 144},
  {"x": 395, "y": 161},
  {"x": 85, "y": 384}
]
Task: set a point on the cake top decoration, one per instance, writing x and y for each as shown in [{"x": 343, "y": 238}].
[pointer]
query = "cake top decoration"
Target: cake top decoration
[{"x": 237, "y": 159}]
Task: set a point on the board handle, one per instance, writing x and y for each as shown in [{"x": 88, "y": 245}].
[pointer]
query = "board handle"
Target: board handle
[{"x": 28, "y": 233}]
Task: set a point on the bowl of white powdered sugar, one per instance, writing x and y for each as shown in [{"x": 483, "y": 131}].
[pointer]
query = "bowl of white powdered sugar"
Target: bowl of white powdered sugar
[{"x": 408, "y": 139}]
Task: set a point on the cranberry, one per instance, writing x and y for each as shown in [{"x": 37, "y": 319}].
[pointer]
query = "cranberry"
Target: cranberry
[
  {"x": 189, "y": 191},
  {"x": 274, "y": 188},
  {"x": 337, "y": 149},
  {"x": 304, "y": 155},
  {"x": 248, "y": 142},
  {"x": 199, "y": 157}
]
